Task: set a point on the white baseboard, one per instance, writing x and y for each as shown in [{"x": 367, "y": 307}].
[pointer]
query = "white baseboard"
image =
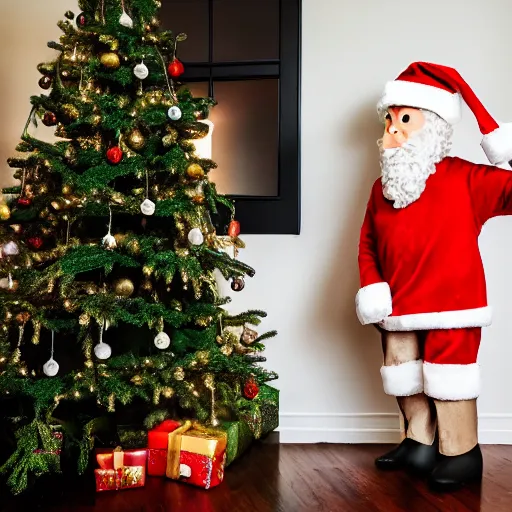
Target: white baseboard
[{"x": 373, "y": 428}]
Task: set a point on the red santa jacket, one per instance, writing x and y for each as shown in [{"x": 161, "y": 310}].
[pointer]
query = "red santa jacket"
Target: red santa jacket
[{"x": 420, "y": 266}]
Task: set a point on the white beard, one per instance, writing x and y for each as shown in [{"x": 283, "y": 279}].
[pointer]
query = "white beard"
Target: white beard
[{"x": 405, "y": 170}]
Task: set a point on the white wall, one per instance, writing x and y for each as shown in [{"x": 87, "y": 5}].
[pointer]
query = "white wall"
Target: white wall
[{"x": 328, "y": 364}]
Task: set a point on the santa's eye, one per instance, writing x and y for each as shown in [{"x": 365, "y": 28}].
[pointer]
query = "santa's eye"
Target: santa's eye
[
  {"x": 406, "y": 118},
  {"x": 388, "y": 117}
]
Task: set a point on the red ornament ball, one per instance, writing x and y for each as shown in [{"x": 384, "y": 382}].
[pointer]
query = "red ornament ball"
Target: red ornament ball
[
  {"x": 36, "y": 242},
  {"x": 251, "y": 389},
  {"x": 115, "y": 155},
  {"x": 81, "y": 20},
  {"x": 49, "y": 119},
  {"x": 234, "y": 228},
  {"x": 45, "y": 82},
  {"x": 24, "y": 201},
  {"x": 176, "y": 68}
]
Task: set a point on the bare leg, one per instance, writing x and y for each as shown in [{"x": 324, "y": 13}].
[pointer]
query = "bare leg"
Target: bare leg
[
  {"x": 402, "y": 376},
  {"x": 417, "y": 412}
]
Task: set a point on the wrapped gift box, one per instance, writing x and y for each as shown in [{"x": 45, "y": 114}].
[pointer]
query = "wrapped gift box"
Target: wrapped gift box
[
  {"x": 262, "y": 413},
  {"x": 158, "y": 442},
  {"x": 197, "y": 455},
  {"x": 240, "y": 438},
  {"x": 120, "y": 469}
]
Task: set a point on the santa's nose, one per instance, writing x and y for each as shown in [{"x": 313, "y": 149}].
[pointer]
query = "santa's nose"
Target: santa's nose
[{"x": 393, "y": 138}]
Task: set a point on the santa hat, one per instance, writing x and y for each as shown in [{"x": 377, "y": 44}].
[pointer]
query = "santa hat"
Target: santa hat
[{"x": 440, "y": 90}]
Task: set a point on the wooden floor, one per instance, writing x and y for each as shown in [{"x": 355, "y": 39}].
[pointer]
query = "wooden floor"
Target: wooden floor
[{"x": 296, "y": 478}]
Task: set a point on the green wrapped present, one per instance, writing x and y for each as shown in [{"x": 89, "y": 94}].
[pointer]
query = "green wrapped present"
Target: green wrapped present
[
  {"x": 239, "y": 439},
  {"x": 262, "y": 412}
]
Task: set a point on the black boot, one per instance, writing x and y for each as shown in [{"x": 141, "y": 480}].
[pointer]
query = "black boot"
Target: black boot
[
  {"x": 453, "y": 472},
  {"x": 416, "y": 458}
]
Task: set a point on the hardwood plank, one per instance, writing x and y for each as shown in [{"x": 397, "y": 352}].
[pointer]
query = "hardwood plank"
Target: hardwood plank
[{"x": 292, "y": 478}]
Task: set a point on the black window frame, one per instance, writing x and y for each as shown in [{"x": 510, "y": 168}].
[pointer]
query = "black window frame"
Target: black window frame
[{"x": 279, "y": 214}]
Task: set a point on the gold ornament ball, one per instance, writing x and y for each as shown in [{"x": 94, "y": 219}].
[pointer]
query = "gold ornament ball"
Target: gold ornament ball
[
  {"x": 136, "y": 140},
  {"x": 123, "y": 287},
  {"x": 23, "y": 318},
  {"x": 195, "y": 171},
  {"x": 69, "y": 305},
  {"x": 167, "y": 392},
  {"x": 137, "y": 380},
  {"x": 202, "y": 357},
  {"x": 179, "y": 373},
  {"x": 110, "y": 60},
  {"x": 84, "y": 319},
  {"x": 66, "y": 190},
  {"x": 227, "y": 350},
  {"x": 5, "y": 212}
]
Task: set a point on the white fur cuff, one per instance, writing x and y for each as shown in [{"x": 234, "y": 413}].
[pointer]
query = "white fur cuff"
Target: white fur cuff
[
  {"x": 404, "y": 379},
  {"x": 373, "y": 303},
  {"x": 452, "y": 381},
  {"x": 411, "y": 94},
  {"x": 478, "y": 317},
  {"x": 497, "y": 145}
]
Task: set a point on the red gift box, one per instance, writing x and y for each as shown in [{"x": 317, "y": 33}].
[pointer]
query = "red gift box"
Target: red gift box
[
  {"x": 197, "y": 455},
  {"x": 158, "y": 440},
  {"x": 120, "y": 469}
]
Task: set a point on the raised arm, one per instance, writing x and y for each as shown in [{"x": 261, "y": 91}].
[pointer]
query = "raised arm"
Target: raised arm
[{"x": 491, "y": 191}]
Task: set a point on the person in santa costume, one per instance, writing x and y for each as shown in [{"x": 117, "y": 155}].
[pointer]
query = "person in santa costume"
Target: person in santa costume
[{"x": 422, "y": 278}]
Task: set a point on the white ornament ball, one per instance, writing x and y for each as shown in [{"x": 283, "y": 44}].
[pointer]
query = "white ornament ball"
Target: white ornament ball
[
  {"x": 10, "y": 249},
  {"x": 102, "y": 351},
  {"x": 125, "y": 20},
  {"x": 141, "y": 71},
  {"x": 147, "y": 207},
  {"x": 109, "y": 242},
  {"x": 174, "y": 113},
  {"x": 195, "y": 237},
  {"x": 162, "y": 340},
  {"x": 51, "y": 368}
]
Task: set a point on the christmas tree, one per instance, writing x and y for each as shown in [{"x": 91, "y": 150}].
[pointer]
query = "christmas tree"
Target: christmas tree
[{"x": 112, "y": 250}]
